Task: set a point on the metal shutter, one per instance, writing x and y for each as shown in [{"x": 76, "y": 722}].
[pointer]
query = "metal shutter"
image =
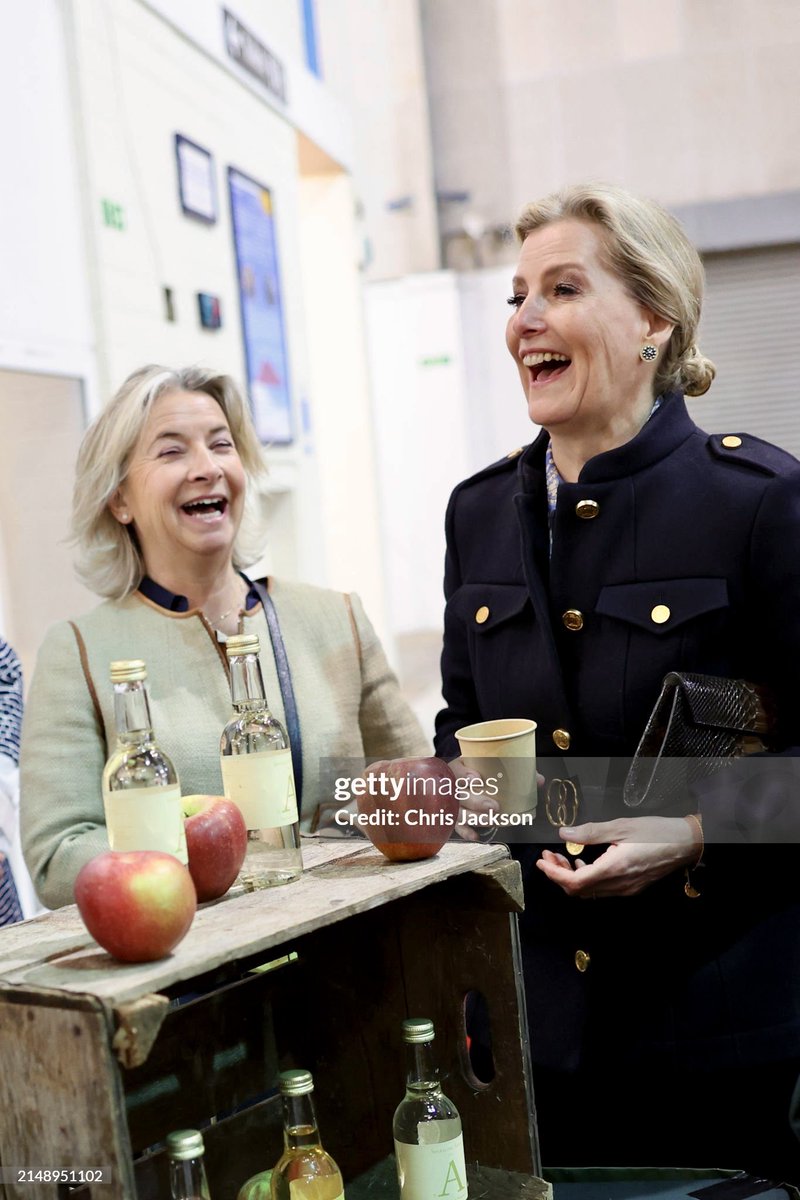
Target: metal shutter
[{"x": 751, "y": 332}]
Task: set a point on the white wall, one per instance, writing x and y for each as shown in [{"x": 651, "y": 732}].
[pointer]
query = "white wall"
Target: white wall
[
  {"x": 417, "y": 367},
  {"x": 45, "y": 314}
]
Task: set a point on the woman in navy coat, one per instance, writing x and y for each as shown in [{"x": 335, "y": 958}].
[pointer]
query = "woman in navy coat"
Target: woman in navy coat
[{"x": 622, "y": 544}]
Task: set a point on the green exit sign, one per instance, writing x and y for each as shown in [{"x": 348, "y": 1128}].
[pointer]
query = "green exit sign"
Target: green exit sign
[{"x": 113, "y": 215}]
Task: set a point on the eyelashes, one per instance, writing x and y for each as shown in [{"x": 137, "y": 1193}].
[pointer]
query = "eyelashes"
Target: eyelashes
[{"x": 563, "y": 289}]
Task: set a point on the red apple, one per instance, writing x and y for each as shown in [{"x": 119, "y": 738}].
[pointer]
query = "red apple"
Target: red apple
[
  {"x": 407, "y": 806},
  {"x": 216, "y": 839},
  {"x": 136, "y": 904}
]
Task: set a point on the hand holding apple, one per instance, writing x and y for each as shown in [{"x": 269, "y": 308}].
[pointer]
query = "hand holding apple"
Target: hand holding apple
[
  {"x": 136, "y": 904},
  {"x": 410, "y": 809},
  {"x": 216, "y": 840}
]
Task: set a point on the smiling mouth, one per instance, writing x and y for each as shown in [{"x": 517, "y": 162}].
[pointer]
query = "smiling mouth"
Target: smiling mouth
[
  {"x": 210, "y": 509},
  {"x": 546, "y": 366}
]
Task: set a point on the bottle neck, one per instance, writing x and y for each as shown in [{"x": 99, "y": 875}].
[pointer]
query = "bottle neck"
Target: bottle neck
[
  {"x": 132, "y": 713},
  {"x": 421, "y": 1073},
  {"x": 247, "y": 683},
  {"x": 299, "y": 1122},
  {"x": 187, "y": 1179}
]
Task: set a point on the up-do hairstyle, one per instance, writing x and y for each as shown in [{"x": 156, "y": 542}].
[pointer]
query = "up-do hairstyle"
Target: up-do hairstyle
[
  {"x": 109, "y": 559},
  {"x": 647, "y": 249}
]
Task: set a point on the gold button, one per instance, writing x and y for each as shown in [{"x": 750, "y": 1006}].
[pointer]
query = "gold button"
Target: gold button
[
  {"x": 561, "y": 738},
  {"x": 515, "y": 453},
  {"x": 482, "y": 614},
  {"x": 660, "y": 614},
  {"x": 582, "y": 960},
  {"x": 573, "y": 619},
  {"x": 732, "y": 442},
  {"x": 587, "y": 510}
]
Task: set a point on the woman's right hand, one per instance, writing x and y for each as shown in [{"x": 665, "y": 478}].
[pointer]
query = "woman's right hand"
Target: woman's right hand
[{"x": 473, "y": 805}]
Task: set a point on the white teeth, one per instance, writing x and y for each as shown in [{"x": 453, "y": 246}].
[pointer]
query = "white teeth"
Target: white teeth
[
  {"x": 535, "y": 360},
  {"x": 196, "y": 503}
]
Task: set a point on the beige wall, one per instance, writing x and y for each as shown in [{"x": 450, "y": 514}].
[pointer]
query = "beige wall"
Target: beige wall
[
  {"x": 685, "y": 100},
  {"x": 372, "y": 58}
]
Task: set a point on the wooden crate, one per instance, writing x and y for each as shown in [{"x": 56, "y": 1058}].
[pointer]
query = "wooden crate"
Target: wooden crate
[{"x": 99, "y": 1060}]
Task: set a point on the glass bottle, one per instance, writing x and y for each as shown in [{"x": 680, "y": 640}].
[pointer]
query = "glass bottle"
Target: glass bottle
[
  {"x": 187, "y": 1177},
  {"x": 304, "y": 1171},
  {"x": 428, "y": 1143},
  {"x": 257, "y": 774},
  {"x": 187, "y": 1172},
  {"x": 141, "y": 792}
]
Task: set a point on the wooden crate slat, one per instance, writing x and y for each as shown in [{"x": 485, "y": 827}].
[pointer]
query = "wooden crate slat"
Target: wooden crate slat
[
  {"x": 61, "y": 1101},
  {"x": 331, "y": 889}
]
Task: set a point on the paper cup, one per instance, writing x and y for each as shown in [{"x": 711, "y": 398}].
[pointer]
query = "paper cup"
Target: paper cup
[{"x": 505, "y": 751}]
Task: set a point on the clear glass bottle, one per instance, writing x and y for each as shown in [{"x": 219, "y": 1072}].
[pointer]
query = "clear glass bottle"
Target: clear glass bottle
[
  {"x": 141, "y": 792},
  {"x": 304, "y": 1171},
  {"x": 257, "y": 774},
  {"x": 187, "y": 1172},
  {"x": 428, "y": 1143}
]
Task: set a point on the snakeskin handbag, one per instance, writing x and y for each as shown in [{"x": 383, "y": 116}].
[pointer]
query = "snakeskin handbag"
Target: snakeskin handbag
[{"x": 700, "y": 724}]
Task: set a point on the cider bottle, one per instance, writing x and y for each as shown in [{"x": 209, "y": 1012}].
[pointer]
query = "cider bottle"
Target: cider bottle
[
  {"x": 257, "y": 775},
  {"x": 304, "y": 1171},
  {"x": 187, "y": 1172},
  {"x": 141, "y": 792},
  {"x": 428, "y": 1143}
]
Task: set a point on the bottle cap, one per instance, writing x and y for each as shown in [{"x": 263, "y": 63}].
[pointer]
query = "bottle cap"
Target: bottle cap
[
  {"x": 242, "y": 643},
  {"x": 418, "y": 1029},
  {"x": 296, "y": 1083},
  {"x": 128, "y": 670},
  {"x": 185, "y": 1143}
]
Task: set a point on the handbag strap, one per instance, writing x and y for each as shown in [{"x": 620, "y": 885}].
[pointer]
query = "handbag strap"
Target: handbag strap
[{"x": 285, "y": 683}]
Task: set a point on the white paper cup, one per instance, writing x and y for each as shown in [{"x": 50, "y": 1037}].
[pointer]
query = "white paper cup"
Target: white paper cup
[{"x": 505, "y": 751}]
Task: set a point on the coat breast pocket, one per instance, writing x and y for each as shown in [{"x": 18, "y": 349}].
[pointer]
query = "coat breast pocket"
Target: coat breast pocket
[
  {"x": 498, "y": 621},
  {"x": 657, "y": 626}
]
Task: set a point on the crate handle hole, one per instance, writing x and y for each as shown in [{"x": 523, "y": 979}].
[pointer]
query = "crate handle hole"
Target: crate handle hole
[{"x": 475, "y": 1041}]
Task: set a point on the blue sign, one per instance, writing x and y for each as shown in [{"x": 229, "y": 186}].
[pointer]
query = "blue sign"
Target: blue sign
[{"x": 261, "y": 308}]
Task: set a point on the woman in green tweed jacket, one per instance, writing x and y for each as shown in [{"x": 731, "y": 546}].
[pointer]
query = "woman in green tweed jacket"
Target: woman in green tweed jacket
[{"x": 158, "y": 508}]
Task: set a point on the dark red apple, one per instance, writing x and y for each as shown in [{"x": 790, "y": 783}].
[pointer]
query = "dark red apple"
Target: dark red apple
[
  {"x": 216, "y": 839},
  {"x": 136, "y": 904},
  {"x": 407, "y": 806}
]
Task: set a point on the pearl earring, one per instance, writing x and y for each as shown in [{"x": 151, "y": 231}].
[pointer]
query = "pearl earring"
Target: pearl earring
[{"x": 648, "y": 352}]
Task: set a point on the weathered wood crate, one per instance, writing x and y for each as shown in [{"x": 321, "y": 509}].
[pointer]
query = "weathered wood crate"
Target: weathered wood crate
[{"x": 99, "y": 1061}]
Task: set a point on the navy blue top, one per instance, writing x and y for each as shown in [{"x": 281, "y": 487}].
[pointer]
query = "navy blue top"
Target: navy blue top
[{"x": 174, "y": 602}]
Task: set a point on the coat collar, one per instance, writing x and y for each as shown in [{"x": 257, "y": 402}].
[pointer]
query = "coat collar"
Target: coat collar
[{"x": 669, "y": 426}]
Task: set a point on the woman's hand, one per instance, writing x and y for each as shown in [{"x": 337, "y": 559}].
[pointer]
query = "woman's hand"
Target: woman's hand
[
  {"x": 474, "y": 805},
  {"x": 640, "y": 851}
]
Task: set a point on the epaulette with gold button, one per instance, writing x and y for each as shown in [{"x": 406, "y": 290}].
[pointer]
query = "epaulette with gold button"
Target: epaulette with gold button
[{"x": 749, "y": 451}]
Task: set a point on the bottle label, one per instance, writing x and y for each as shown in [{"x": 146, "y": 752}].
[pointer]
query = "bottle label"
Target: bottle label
[
  {"x": 434, "y": 1171},
  {"x": 314, "y": 1189},
  {"x": 262, "y": 785},
  {"x": 148, "y": 818}
]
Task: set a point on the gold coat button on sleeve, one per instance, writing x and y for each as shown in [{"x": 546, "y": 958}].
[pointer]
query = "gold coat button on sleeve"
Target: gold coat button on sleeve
[
  {"x": 515, "y": 453},
  {"x": 561, "y": 738},
  {"x": 573, "y": 619},
  {"x": 660, "y": 614},
  {"x": 582, "y": 960},
  {"x": 731, "y": 442},
  {"x": 482, "y": 614},
  {"x": 587, "y": 510}
]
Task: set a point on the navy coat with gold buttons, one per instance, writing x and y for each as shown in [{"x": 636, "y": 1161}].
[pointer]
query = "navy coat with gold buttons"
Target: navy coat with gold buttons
[{"x": 676, "y": 551}]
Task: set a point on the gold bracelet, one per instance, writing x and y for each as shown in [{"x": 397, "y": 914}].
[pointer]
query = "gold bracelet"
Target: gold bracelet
[
  {"x": 698, "y": 820},
  {"x": 688, "y": 887}
]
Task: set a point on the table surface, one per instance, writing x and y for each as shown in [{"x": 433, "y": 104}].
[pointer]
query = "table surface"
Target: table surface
[{"x": 341, "y": 878}]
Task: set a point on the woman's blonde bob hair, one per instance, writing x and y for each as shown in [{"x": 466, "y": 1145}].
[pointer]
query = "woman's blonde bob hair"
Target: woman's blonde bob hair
[
  {"x": 649, "y": 252},
  {"x": 109, "y": 558}
]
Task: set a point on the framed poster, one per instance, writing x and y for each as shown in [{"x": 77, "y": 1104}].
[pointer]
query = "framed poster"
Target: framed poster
[
  {"x": 261, "y": 308},
  {"x": 198, "y": 192}
]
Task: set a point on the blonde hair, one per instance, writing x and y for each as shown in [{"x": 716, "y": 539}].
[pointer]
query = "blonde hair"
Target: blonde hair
[
  {"x": 109, "y": 557},
  {"x": 647, "y": 249}
]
